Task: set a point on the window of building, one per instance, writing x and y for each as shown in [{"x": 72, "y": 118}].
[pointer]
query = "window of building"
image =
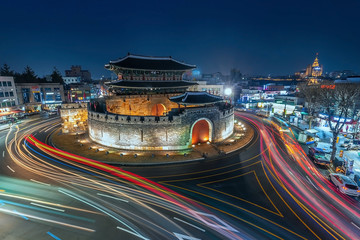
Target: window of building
[
  {"x": 47, "y": 89},
  {"x": 49, "y": 97},
  {"x": 57, "y": 89},
  {"x": 11, "y": 94},
  {"x": 4, "y": 84},
  {"x": 6, "y": 94},
  {"x": 9, "y": 84},
  {"x": 1, "y": 94},
  {"x": 58, "y": 97},
  {"x": 0, "y": 83}
]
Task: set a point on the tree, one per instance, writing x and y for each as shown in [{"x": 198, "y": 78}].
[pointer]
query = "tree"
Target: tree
[
  {"x": 56, "y": 76},
  {"x": 338, "y": 102},
  {"x": 28, "y": 75},
  {"x": 5, "y": 70},
  {"x": 357, "y": 119},
  {"x": 311, "y": 95}
]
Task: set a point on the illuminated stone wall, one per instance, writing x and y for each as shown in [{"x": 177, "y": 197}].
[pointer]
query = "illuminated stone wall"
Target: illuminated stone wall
[
  {"x": 74, "y": 117},
  {"x": 144, "y": 133},
  {"x": 139, "y": 105}
]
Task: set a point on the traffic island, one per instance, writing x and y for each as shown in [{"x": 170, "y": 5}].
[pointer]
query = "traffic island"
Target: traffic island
[{"x": 81, "y": 144}]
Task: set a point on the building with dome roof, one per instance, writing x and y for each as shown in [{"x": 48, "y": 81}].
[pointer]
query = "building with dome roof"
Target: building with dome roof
[{"x": 150, "y": 108}]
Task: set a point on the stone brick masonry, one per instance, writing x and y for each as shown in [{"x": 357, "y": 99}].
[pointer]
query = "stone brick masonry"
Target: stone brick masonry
[{"x": 158, "y": 133}]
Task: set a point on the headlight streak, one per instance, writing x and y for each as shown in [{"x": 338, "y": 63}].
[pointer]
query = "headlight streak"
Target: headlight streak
[
  {"x": 295, "y": 185},
  {"x": 159, "y": 196},
  {"x": 167, "y": 194},
  {"x": 45, "y": 220}
]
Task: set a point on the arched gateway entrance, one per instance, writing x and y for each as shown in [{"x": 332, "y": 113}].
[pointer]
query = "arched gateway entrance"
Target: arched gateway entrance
[
  {"x": 158, "y": 110},
  {"x": 201, "y": 131}
]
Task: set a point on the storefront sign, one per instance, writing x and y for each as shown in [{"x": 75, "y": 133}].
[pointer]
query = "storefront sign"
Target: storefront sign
[
  {"x": 328, "y": 86},
  {"x": 342, "y": 119}
]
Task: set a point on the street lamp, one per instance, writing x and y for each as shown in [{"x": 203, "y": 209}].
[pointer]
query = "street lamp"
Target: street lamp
[{"x": 228, "y": 92}]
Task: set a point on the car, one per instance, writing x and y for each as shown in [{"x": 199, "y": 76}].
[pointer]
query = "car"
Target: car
[
  {"x": 346, "y": 144},
  {"x": 355, "y": 147},
  {"x": 319, "y": 156},
  {"x": 357, "y": 179},
  {"x": 345, "y": 184}
]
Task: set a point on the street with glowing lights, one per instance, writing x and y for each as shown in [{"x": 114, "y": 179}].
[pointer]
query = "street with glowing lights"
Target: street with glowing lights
[{"x": 267, "y": 190}]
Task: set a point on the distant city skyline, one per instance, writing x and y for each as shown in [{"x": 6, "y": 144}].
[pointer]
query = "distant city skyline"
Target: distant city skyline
[{"x": 257, "y": 37}]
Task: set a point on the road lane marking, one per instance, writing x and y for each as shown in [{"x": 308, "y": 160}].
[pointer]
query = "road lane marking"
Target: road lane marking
[
  {"x": 39, "y": 205},
  {"x": 53, "y": 236},
  {"x": 3, "y": 153},
  {"x": 125, "y": 230},
  {"x": 355, "y": 225},
  {"x": 312, "y": 183},
  {"x": 10, "y": 168},
  {"x": 46, "y": 184},
  {"x": 123, "y": 200},
  {"x": 203, "y": 230},
  {"x": 16, "y": 212}
]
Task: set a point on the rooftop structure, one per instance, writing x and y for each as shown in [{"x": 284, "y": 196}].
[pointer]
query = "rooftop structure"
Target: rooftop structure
[{"x": 149, "y": 108}]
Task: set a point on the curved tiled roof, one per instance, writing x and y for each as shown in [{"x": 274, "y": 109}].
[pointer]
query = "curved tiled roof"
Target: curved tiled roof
[
  {"x": 194, "y": 98},
  {"x": 150, "y": 63},
  {"x": 151, "y": 84}
]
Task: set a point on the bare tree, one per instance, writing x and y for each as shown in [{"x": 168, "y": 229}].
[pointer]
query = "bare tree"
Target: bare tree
[
  {"x": 357, "y": 119},
  {"x": 311, "y": 95},
  {"x": 338, "y": 102}
]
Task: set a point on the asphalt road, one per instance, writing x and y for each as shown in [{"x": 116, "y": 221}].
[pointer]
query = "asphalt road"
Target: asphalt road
[
  {"x": 269, "y": 190},
  {"x": 81, "y": 201}
]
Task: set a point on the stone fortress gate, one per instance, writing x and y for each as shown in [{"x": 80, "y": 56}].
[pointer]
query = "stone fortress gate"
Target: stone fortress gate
[{"x": 149, "y": 108}]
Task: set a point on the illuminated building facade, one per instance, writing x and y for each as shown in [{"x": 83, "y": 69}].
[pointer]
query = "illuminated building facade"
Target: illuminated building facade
[
  {"x": 74, "y": 117},
  {"x": 149, "y": 108},
  {"x": 314, "y": 71}
]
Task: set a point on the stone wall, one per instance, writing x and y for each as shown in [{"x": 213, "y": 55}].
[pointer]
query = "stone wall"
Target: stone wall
[
  {"x": 139, "y": 105},
  {"x": 158, "y": 133}
]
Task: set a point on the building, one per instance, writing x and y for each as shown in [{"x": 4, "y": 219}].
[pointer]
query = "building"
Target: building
[
  {"x": 76, "y": 71},
  {"x": 74, "y": 117},
  {"x": 80, "y": 92},
  {"x": 314, "y": 71},
  {"x": 37, "y": 96},
  {"x": 8, "y": 99},
  {"x": 71, "y": 80},
  {"x": 151, "y": 109},
  {"x": 202, "y": 86},
  {"x": 8, "y": 96}
]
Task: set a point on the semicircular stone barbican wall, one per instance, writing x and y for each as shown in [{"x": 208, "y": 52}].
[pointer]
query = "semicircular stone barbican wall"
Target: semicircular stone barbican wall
[{"x": 157, "y": 133}]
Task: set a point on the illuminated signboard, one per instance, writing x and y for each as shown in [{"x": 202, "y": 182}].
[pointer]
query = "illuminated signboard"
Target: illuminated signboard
[
  {"x": 342, "y": 119},
  {"x": 328, "y": 86}
]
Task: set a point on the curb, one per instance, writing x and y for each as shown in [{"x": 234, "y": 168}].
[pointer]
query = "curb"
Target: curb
[{"x": 168, "y": 163}]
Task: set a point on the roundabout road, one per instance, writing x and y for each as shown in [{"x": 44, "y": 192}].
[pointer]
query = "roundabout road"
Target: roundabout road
[{"x": 269, "y": 190}]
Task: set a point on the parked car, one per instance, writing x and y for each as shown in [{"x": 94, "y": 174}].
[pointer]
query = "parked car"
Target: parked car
[
  {"x": 357, "y": 179},
  {"x": 346, "y": 144},
  {"x": 345, "y": 184},
  {"x": 354, "y": 147},
  {"x": 319, "y": 156}
]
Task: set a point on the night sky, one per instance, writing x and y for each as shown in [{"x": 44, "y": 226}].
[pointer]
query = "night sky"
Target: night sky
[{"x": 255, "y": 36}]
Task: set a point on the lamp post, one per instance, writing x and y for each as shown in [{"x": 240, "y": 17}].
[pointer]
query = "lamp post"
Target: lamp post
[
  {"x": 285, "y": 108},
  {"x": 228, "y": 92}
]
